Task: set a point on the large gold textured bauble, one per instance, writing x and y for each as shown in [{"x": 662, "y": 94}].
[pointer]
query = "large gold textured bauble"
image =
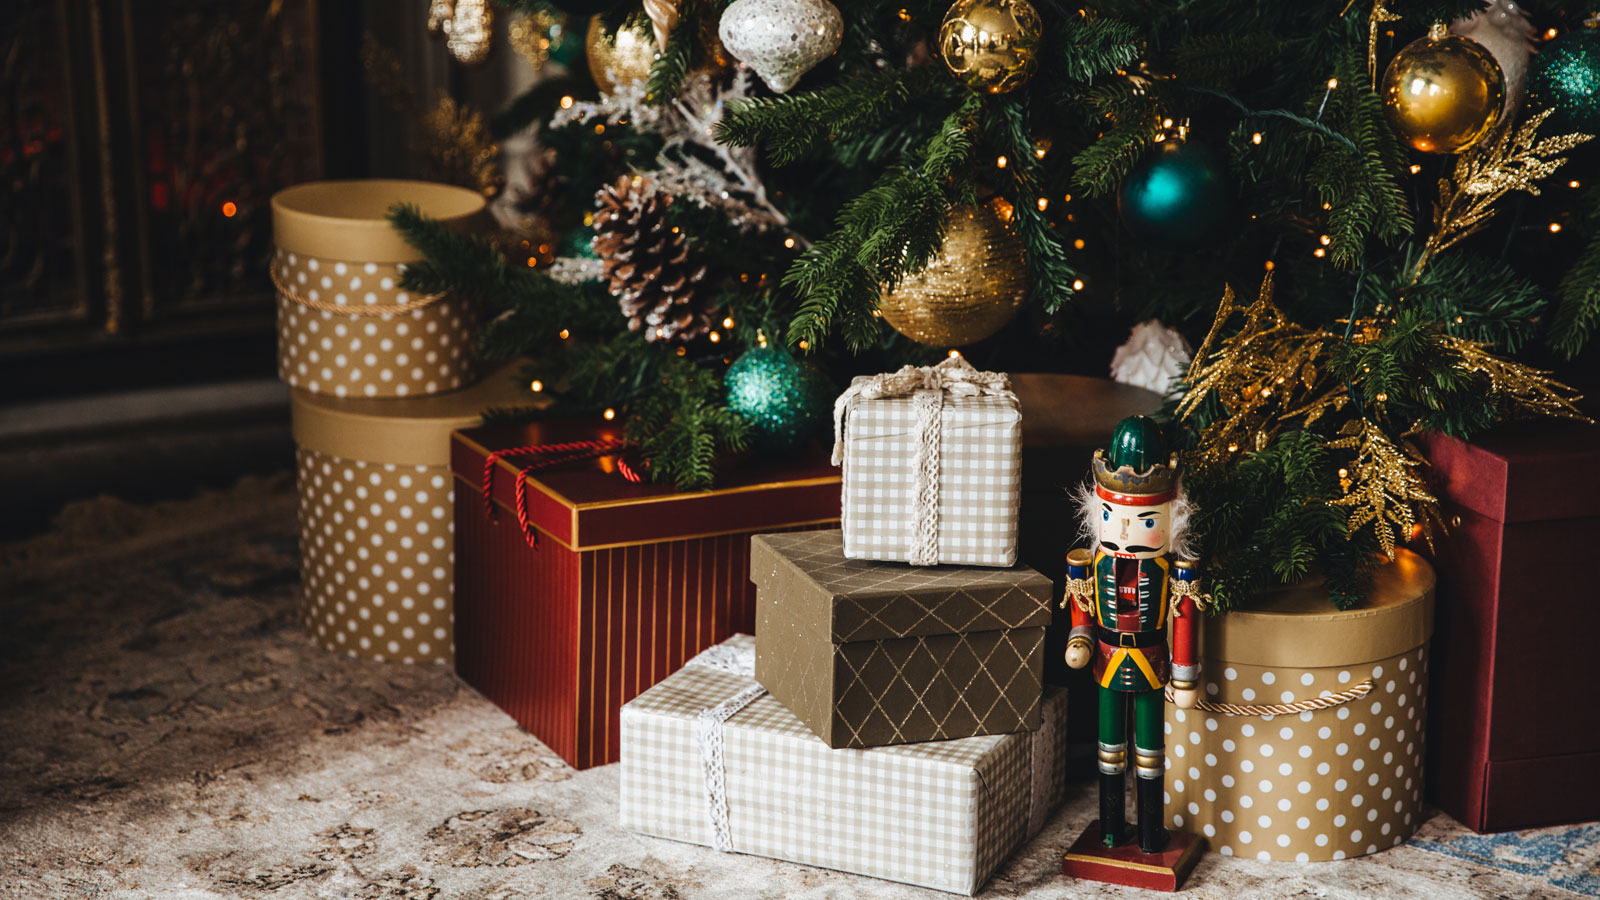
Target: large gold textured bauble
[
  {"x": 1443, "y": 93},
  {"x": 969, "y": 290},
  {"x": 991, "y": 45},
  {"x": 628, "y": 59}
]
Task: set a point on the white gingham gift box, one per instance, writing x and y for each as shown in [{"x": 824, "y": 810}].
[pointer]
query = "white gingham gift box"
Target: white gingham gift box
[
  {"x": 932, "y": 463},
  {"x": 942, "y": 814}
]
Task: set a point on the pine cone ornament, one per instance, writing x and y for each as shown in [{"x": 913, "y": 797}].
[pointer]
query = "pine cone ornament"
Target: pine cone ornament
[
  {"x": 649, "y": 268},
  {"x": 1153, "y": 356}
]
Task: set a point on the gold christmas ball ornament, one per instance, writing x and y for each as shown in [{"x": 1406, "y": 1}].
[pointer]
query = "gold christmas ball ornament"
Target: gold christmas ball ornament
[
  {"x": 624, "y": 61},
  {"x": 991, "y": 45},
  {"x": 1444, "y": 92},
  {"x": 970, "y": 289}
]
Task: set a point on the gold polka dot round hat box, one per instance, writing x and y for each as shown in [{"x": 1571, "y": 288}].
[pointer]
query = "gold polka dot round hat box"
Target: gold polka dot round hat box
[
  {"x": 345, "y": 326},
  {"x": 1309, "y": 742},
  {"x": 377, "y": 552}
]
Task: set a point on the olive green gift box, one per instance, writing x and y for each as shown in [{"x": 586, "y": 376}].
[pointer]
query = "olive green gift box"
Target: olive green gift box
[{"x": 872, "y": 653}]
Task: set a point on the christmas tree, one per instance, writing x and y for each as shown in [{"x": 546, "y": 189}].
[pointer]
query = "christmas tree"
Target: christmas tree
[{"x": 1374, "y": 219}]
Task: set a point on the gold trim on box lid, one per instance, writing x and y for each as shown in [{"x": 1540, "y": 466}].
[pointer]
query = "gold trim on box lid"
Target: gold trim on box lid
[
  {"x": 347, "y": 220},
  {"x": 1297, "y": 627},
  {"x": 402, "y": 431}
]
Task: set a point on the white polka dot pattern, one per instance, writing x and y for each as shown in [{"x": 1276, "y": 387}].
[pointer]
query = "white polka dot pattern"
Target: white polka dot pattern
[
  {"x": 1312, "y": 786},
  {"x": 427, "y": 350},
  {"x": 377, "y": 558}
]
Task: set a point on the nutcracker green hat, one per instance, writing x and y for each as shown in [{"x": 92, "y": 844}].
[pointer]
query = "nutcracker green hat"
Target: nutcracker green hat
[{"x": 1138, "y": 468}]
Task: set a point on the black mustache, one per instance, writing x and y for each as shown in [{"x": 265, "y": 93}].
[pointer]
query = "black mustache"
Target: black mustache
[{"x": 1135, "y": 548}]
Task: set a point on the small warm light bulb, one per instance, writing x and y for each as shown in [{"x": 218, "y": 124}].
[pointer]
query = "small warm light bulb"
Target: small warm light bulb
[
  {"x": 1255, "y": 138},
  {"x": 716, "y": 336},
  {"x": 1000, "y": 162},
  {"x": 1550, "y": 34},
  {"x": 566, "y": 102},
  {"x": 1039, "y": 153},
  {"x": 1270, "y": 265},
  {"x": 609, "y": 414},
  {"x": 229, "y": 209},
  {"x": 1233, "y": 448},
  {"x": 600, "y": 129},
  {"x": 954, "y": 353},
  {"x": 1572, "y": 184},
  {"x": 565, "y": 334},
  {"x": 1067, "y": 199},
  {"x": 789, "y": 242},
  {"x": 1555, "y": 227},
  {"x": 728, "y": 322},
  {"x": 1333, "y": 83},
  {"x": 1166, "y": 123},
  {"x": 1383, "y": 398},
  {"x": 1325, "y": 240},
  {"x": 1344, "y": 473},
  {"x": 537, "y": 386},
  {"x": 1077, "y": 284},
  {"x": 803, "y": 345},
  {"x": 533, "y": 261},
  {"x": 1077, "y": 244},
  {"x": 1043, "y": 204},
  {"x": 1415, "y": 168},
  {"x": 682, "y": 350},
  {"x": 1319, "y": 253}
]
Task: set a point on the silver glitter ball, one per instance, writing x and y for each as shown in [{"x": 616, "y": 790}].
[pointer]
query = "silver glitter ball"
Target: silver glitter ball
[{"x": 781, "y": 39}]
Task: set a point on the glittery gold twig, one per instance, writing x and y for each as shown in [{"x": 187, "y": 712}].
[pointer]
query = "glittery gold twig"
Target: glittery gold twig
[
  {"x": 1520, "y": 389},
  {"x": 1385, "y": 491},
  {"x": 1268, "y": 373},
  {"x": 1380, "y": 15},
  {"x": 1509, "y": 160}
]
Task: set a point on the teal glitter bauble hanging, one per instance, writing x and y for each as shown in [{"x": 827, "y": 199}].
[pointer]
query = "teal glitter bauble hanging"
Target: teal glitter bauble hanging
[
  {"x": 1565, "y": 76},
  {"x": 1178, "y": 197},
  {"x": 785, "y": 400}
]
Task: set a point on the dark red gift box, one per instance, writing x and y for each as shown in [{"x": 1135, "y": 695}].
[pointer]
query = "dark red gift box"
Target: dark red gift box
[
  {"x": 627, "y": 582},
  {"x": 1514, "y": 733}
]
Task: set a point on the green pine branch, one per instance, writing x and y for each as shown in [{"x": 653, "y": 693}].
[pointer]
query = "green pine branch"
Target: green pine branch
[
  {"x": 881, "y": 236},
  {"x": 682, "y": 425},
  {"x": 1471, "y": 296},
  {"x": 789, "y": 126},
  {"x": 1050, "y": 273},
  {"x": 1577, "y": 315}
]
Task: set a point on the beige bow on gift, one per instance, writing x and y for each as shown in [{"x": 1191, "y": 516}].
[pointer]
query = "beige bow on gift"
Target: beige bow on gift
[{"x": 927, "y": 387}]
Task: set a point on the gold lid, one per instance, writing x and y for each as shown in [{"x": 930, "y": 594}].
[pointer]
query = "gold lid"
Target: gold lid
[
  {"x": 1297, "y": 627},
  {"x": 347, "y": 220},
  {"x": 404, "y": 431},
  {"x": 1079, "y": 556}
]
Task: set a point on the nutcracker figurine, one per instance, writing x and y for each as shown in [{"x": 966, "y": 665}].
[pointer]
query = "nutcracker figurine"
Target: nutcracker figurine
[{"x": 1122, "y": 598}]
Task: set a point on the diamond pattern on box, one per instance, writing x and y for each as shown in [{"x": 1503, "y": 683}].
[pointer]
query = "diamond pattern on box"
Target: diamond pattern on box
[
  {"x": 869, "y": 654},
  {"x": 942, "y": 815},
  {"x": 980, "y": 449}
]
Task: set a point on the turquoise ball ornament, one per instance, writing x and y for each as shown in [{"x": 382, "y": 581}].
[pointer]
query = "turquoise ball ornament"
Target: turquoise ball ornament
[
  {"x": 1178, "y": 198},
  {"x": 786, "y": 401},
  {"x": 1565, "y": 76}
]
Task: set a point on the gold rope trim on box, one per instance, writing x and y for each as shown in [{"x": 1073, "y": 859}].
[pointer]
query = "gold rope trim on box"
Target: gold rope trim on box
[
  {"x": 352, "y": 309},
  {"x": 1326, "y": 701}
]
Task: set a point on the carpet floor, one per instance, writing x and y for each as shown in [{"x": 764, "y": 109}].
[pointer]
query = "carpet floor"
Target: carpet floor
[{"x": 170, "y": 734}]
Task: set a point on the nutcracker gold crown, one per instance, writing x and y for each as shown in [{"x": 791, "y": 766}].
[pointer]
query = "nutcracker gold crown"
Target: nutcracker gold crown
[{"x": 1155, "y": 481}]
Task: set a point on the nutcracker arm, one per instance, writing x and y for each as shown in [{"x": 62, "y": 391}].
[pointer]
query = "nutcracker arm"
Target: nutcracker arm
[
  {"x": 1079, "y": 597},
  {"x": 1185, "y": 626}
]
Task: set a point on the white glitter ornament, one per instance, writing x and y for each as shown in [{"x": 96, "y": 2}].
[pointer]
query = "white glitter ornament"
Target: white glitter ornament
[
  {"x": 1502, "y": 27},
  {"x": 1152, "y": 357},
  {"x": 781, "y": 39}
]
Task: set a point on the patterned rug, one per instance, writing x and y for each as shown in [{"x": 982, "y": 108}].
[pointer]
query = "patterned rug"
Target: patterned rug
[{"x": 170, "y": 734}]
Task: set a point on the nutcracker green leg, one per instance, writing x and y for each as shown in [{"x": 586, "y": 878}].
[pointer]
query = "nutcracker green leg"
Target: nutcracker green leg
[
  {"x": 1113, "y": 764},
  {"x": 1149, "y": 750}
]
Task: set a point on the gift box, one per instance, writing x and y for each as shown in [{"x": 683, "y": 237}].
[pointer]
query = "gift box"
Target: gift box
[
  {"x": 868, "y": 653},
  {"x": 1516, "y": 742},
  {"x": 345, "y": 326},
  {"x": 376, "y": 543},
  {"x": 620, "y": 584},
  {"x": 709, "y": 757},
  {"x": 932, "y": 464},
  {"x": 1309, "y": 742}
]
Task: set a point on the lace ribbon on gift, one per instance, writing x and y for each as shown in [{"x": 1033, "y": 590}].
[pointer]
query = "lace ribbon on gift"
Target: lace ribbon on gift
[
  {"x": 351, "y": 309},
  {"x": 710, "y": 727},
  {"x": 927, "y": 386}
]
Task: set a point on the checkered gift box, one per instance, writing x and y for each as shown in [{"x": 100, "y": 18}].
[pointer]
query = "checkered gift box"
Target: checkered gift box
[
  {"x": 932, "y": 463},
  {"x": 710, "y": 758}
]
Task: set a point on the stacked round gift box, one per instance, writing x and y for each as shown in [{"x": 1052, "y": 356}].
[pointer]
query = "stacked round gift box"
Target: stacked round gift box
[{"x": 380, "y": 378}]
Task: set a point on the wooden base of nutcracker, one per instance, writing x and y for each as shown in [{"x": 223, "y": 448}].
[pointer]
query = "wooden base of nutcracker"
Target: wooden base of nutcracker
[{"x": 1128, "y": 865}]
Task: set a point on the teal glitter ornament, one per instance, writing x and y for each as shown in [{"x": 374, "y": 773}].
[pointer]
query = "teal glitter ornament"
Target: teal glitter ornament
[
  {"x": 785, "y": 400},
  {"x": 1178, "y": 197},
  {"x": 1565, "y": 76}
]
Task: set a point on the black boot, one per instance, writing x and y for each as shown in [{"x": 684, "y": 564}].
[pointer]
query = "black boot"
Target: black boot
[
  {"x": 1113, "y": 821},
  {"x": 1152, "y": 836}
]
